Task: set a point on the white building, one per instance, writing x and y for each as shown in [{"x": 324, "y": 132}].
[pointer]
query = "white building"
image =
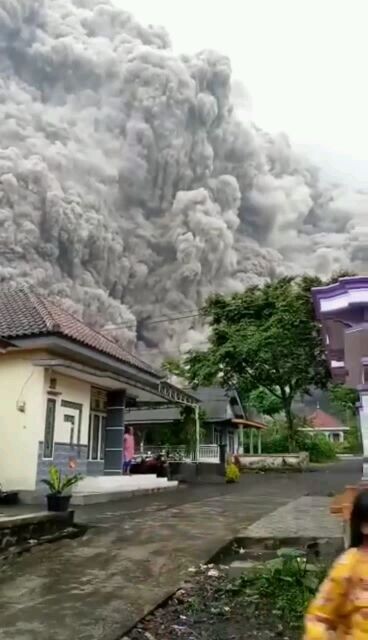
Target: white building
[{"x": 64, "y": 391}]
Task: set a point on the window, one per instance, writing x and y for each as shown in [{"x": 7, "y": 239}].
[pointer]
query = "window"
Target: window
[
  {"x": 70, "y": 420},
  {"x": 98, "y": 400},
  {"x": 48, "y": 441},
  {"x": 96, "y": 436},
  {"x": 365, "y": 374}
]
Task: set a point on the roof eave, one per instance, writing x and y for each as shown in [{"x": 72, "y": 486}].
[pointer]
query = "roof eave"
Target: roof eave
[
  {"x": 62, "y": 345},
  {"x": 5, "y": 345}
]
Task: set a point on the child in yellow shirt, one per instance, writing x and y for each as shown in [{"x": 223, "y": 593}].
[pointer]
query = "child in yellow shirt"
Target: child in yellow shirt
[{"x": 340, "y": 609}]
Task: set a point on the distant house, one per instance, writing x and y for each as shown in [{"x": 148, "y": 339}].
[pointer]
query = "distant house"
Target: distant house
[
  {"x": 64, "y": 392},
  {"x": 224, "y": 418},
  {"x": 324, "y": 423}
]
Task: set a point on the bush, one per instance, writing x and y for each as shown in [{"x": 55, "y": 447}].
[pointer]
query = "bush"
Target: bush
[
  {"x": 288, "y": 583},
  {"x": 232, "y": 473},
  {"x": 319, "y": 448}
]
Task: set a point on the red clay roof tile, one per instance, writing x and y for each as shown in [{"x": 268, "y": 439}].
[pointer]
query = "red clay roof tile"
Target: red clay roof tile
[
  {"x": 24, "y": 313},
  {"x": 321, "y": 420}
]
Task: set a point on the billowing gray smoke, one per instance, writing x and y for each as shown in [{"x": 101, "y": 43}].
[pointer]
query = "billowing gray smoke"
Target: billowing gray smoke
[{"x": 129, "y": 186}]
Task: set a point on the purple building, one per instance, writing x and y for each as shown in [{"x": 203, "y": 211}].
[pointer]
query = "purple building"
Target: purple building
[{"x": 342, "y": 309}]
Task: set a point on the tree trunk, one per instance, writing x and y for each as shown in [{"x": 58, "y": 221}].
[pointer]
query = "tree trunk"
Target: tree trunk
[{"x": 291, "y": 433}]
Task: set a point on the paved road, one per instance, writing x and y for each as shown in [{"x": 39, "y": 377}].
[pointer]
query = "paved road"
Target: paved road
[{"x": 137, "y": 552}]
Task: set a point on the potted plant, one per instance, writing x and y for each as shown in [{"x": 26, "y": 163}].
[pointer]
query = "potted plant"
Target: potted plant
[{"x": 58, "y": 499}]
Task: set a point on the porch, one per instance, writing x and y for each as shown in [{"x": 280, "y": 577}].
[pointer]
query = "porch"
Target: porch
[
  {"x": 231, "y": 435},
  {"x": 84, "y": 425}
]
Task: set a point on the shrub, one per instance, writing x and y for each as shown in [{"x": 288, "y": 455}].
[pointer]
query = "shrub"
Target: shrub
[
  {"x": 288, "y": 583},
  {"x": 232, "y": 473},
  {"x": 319, "y": 448}
]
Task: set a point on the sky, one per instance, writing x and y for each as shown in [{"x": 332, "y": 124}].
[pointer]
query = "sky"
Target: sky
[{"x": 303, "y": 63}]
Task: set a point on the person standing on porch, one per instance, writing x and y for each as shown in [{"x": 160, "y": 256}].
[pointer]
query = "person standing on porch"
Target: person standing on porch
[{"x": 128, "y": 450}]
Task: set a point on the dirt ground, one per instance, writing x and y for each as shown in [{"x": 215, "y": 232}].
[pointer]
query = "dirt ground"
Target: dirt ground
[{"x": 211, "y": 607}]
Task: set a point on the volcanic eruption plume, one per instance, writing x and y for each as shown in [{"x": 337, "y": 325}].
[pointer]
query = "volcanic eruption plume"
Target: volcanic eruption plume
[{"x": 129, "y": 186}]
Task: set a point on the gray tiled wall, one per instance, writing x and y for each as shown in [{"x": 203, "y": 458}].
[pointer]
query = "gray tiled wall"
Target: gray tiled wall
[
  {"x": 62, "y": 454},
  {"x": 95, "y": 467}
]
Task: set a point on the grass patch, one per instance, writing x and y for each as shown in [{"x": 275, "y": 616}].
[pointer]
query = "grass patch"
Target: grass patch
[
  {"x": 287, "y": 584},
  {"x": 268, "y": 602}
]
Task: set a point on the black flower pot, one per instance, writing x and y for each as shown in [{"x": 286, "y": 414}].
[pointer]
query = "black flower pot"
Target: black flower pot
[{"x": 57, "y": 503}]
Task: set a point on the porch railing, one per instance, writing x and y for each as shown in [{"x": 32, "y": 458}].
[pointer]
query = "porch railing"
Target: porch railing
[{"x": 207, "y": 452}]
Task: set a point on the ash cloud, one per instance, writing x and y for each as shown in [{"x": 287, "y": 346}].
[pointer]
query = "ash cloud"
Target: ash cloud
[{"x": 130, "y": 187}]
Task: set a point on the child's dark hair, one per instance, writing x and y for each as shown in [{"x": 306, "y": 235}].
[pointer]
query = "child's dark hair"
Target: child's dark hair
[{"x": 359, "y": 516}]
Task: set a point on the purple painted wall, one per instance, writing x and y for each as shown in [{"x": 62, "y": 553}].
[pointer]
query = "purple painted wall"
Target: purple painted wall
[{"x": 345, "y": 330}]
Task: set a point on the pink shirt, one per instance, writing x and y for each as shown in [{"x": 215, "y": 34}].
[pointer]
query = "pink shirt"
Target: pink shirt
[{"x": 128, "y": 446}]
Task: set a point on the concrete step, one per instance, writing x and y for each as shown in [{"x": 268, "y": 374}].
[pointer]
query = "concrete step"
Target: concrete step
[
  {"x": 97, "y": 489},
  {"x": 80, "y": 499},
  {"x": 110, "y": 484}
]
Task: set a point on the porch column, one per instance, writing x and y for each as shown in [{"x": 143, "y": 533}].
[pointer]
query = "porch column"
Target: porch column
[
  {"x": 197, "y": 432},
  {"x": 363, "y": 416},
  {"x": 251, "y": 448},
  {"x": 114, "y": 432},
  {"x": 259, "y": 442},
  {"x": 240, "y": 439}
]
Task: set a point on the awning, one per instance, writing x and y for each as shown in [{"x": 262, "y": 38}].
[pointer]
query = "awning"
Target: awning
[{"x": 249, "y": 424}]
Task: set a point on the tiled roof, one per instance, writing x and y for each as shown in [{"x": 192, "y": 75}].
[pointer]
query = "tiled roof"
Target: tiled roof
[
  {"x": 24, "y": 313},
  {"x": 321, "y": 420}
]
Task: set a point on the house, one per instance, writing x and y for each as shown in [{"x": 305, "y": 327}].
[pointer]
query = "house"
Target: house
[
  {"x": 325, "y": 424},
  {"x": 223, "y": 424},
  {"x": 342, "y": 312},
  {"x": 64, "y": 392}
]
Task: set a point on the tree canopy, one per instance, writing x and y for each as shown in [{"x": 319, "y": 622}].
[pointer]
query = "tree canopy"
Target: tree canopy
[
  {"x": 264, "y": 402},
  {"x": 264, "y": 338},
  {"x": 344, "y": 399}
]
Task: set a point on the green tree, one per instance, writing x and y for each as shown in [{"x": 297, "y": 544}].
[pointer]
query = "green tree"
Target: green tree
[
  {"x": 264, "y": 338},
  {"x": 344, "y": 399},
  {"x": 264, "y": 402}
]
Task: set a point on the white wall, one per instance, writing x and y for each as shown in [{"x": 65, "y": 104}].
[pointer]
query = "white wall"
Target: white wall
[
  {"x": 20, "y": 381},
  {"x": 21, "y": 432}
]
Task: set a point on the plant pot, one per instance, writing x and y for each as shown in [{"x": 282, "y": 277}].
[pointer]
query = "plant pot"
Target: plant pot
[{"x": 57, "y": 503}]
